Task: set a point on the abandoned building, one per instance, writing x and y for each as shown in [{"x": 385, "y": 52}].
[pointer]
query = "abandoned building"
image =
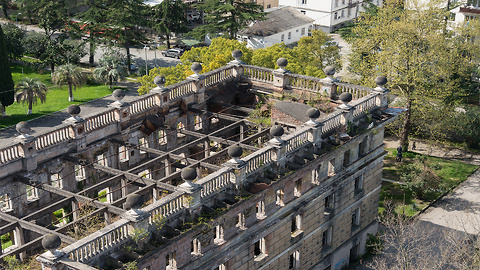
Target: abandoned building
[{"x": 185, "y": 178}]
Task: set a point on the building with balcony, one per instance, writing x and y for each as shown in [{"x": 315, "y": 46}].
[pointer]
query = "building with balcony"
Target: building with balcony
[
  {"x": 182, "y": 178},
  {"x": 329, "y": 15}
]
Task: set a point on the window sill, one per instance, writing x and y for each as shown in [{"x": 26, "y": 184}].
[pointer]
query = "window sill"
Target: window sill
[
  {"x": 297, "y": 233},
  {"x": 260, "y": 257},
  {"x": 219, "y": 242},
  {"x": 261, "y": 216}
]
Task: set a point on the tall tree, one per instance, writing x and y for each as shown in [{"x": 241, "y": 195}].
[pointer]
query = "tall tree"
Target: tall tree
[
  {"x": 70, "y": 75},
  {"x": 93, "y": 24},
  {"x": 227, "y": 17},
  {"x": 6, "y": 81},
  {"x": 423, "y": 63},
  {"x": 29, "y": 91},
  {"x": 52, "y": 17},
  {"x": 111, "y": 69},
  {"x": 124, "y": 18},
  {"x": 169, "y": 17},
  {"x": 4, "y": 8},
  {"x": 13, "y": 40}
]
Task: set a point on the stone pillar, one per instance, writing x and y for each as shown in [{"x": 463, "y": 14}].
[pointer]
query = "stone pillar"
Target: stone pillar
[
  {"x": 315, "y": 135},
  {"x": 160, "y": 90},
  {"x": 27, "y": 146},
  {"x": 279, "y": 145},
  {"x": 280, "y": 76},
  {"x": 138, "y": 228},
  {"x": 50, "y": 259},
  {"x": 347, "y": 110},
  {"x": 329, "y": 88},
  {"x": 19, "y": 240},
  {"x": 199, "y": 81},
  {"x": 78, "y": 126},
  {"x": 195, "y": 203},
  {"x": 238, "y": 166},
  {"x": 237, "y": 63},
  {"x": 381, "y": 101}
]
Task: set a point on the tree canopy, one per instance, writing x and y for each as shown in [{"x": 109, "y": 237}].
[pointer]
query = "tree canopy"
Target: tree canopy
[
  {"x": 6, "y": 82},
  {"x": 169, "y": 17},
  {"x": 219, "y": 53},
  {"x": 227, "y": 17},
  {"x": 423, "y": 62}
]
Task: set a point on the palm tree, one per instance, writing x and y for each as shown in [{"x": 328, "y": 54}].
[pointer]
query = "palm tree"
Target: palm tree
[
  {"x": 111, "y": 70},
  {"x": 30, "y": 90},
  {"x": 70, "y": 75}
]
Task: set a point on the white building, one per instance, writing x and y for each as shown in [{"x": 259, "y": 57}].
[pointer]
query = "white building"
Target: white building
[
  {"x": 329, "y": 15},
  {"x": 283, "y": 24},
  {"x": 466, "y": 13}
]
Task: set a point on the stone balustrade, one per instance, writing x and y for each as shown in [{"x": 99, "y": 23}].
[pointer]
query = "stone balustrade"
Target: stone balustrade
[
  {"x": 259, "y": 160},
  {"x": 108, "y": 238},
  {"x": 214, "y": 183},
  {"x": 166, "y": 206},
  {"x": 219, "y": 75}
]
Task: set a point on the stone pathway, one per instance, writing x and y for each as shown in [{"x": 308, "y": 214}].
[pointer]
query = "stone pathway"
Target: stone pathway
[{"x": 437, "y": 151}]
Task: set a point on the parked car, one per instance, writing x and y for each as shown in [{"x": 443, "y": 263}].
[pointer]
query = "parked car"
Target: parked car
[{"x": 175, "y": 53}]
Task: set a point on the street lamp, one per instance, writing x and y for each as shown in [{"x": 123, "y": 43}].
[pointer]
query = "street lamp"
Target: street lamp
[{"x": 16, "y": 17}]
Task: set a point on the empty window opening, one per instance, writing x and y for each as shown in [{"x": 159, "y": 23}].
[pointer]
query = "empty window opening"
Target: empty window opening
[
  {"x": 241, "y": 221},
  {"x": 143, "y": 143},
  {"x": 331, "y": 167},
  {"x": 294, "y": 260},
  {"x": 79, "y": 172},
  {"x": 32, "y": 193},
  {"x": 327, "y": 237},
  {"x": 7, "y": 240},
  {"x": 180, "y": 126},
  {"x": 5, "y": 203},
  {"x": 356, "y": 218},
  {"x": 358, "y": 185},
  {"x": 297, "y": 190},
  {"x": 56, "y": 180},
  {"x": 296, "y": 223},
  {"x": 303, "y": 29},
  {"x": 282, "y": 38},
  {"x": 260, "y": 210},
  {"x": 198, "y": 123},
  {"x": 196, "y": 247},
  {"x": 221, "y": 267},
  {"x": 329, "y": 203},
  {"x": 102, "y": 159},
  {"x": 170, "y": 261},
  {"x": 346, "y": 158},
  {"x": 162, "y": 137},
  {"x": 123, "y": 153},
  {"x": 279, "y": 200},
  {"x": 260, "y": 247},
  {"x": 219, "y": 235},
  {"x": 289, "y": 35}
]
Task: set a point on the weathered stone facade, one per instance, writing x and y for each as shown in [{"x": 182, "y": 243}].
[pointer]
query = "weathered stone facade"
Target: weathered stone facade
[{"x": 253, "y": 197}]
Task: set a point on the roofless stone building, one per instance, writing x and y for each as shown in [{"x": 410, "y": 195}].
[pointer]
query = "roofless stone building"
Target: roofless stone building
[{"x": 180, "y": 178}]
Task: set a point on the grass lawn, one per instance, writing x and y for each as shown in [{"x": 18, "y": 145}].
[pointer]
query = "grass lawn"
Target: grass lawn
[
  {"x": 57, "y": 99},
  {"x": 450, "y": 173},
  {"x": 28, "y": 72}
]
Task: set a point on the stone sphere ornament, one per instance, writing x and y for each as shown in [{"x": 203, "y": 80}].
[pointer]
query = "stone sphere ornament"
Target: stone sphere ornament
[
  {"x": 73, "y": 110},
  {"x": 282, "y": 62},
  {"x": 381, "y": 80},
  {"x": 235, "y": 151},
  {"x": 159, "y": 81},
  {"x": 196, "y": 68},
  {"x": 134, "y": 201}
]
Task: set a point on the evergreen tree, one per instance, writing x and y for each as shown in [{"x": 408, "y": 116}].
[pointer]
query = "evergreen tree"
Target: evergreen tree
[
  {"x": 227, "y": 17},
  {"x": 124, "y": 17},
  {"x": 6, "y": 82},
  {"x": 169, "y": 17},
  {"x": 93, "y": 24}
]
